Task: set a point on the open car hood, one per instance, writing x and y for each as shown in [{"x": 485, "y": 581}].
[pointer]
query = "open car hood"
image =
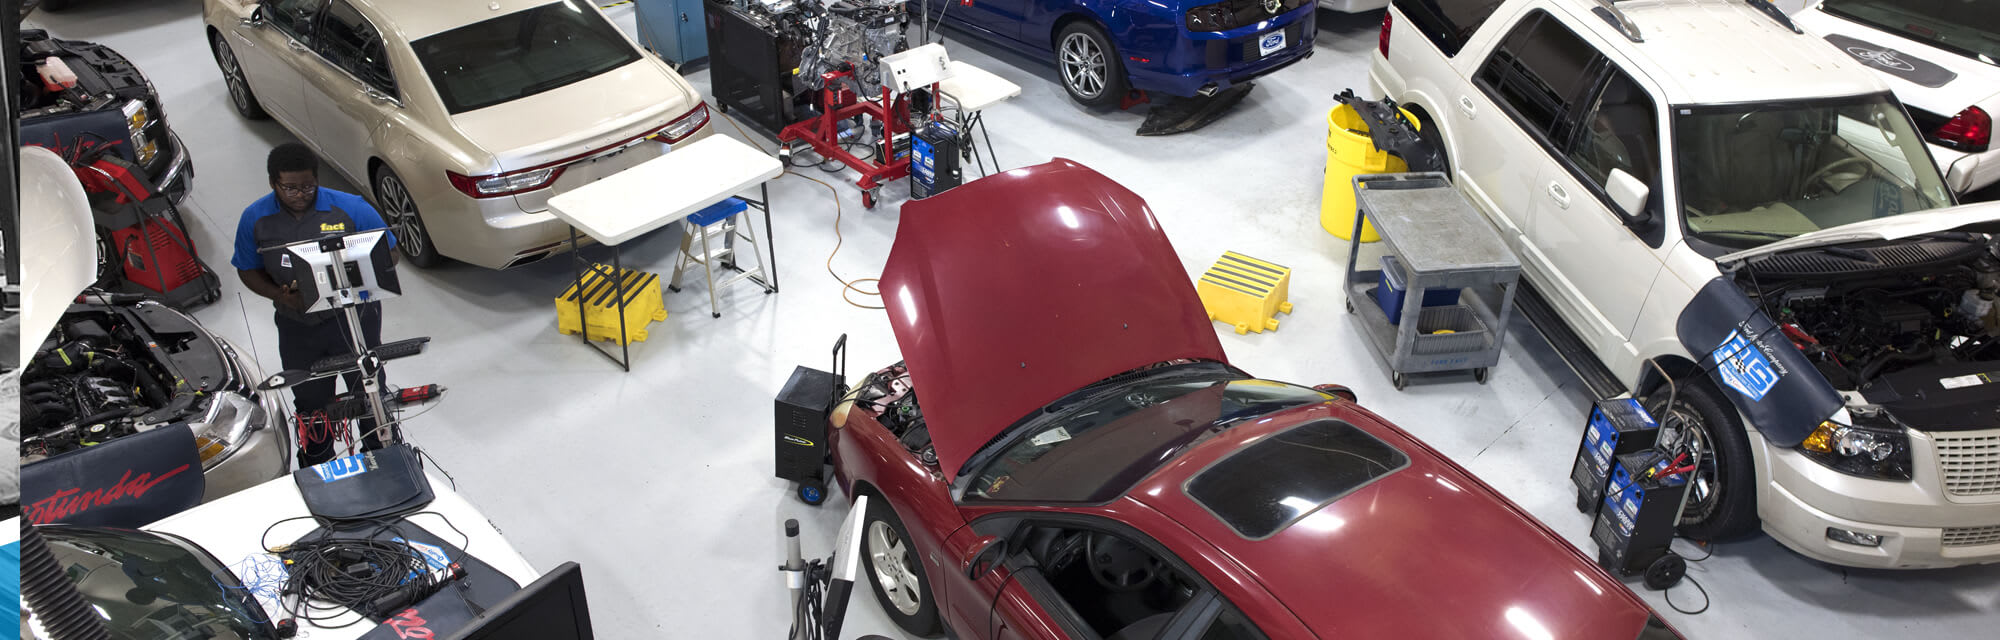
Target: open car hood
[
  {"x": 1014, "y": 290},
  {"x": 62, "y": 259},
  {"x": 1890, "y": 228}
]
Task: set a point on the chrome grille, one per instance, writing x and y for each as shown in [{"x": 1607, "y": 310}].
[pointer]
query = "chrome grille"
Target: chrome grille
[
  {"x": 1971, "y": 465},
  {"x": 1971, "y": 536}
]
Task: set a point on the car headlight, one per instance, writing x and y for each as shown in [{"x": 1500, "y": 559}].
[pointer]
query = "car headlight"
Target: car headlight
[
  {"x": 136, "y": 120},
  {"x": 229, "y": 420},
  {"x": 1865, "y": 452}
]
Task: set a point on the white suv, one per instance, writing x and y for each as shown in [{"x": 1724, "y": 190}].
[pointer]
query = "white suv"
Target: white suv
[{"x": 1697, "y": 191}]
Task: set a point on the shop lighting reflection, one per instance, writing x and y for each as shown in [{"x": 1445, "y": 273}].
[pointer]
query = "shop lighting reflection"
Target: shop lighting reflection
[
  {"x": 1526, "y": 623},
  {"x": 1586, "y": 582},
  {"x": 1068, "y": 216},
  {"x": 1448, "y": 485},
  {"x": 909, "y": 305}
]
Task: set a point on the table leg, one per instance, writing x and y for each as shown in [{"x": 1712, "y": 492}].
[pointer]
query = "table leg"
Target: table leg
[
  {"x": 576, "y": 259},
  {"x": 618, "y": 287},
  {"x": 770, "y": 235}
]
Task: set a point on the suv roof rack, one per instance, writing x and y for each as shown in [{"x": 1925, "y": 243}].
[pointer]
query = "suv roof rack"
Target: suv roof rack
[
  {"x": 1610, "y": 13},
  {"x": 1775, "y": 13}
]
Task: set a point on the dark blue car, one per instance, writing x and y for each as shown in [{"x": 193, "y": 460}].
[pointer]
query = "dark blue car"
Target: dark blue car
[{"x": 1105, "y": 48}]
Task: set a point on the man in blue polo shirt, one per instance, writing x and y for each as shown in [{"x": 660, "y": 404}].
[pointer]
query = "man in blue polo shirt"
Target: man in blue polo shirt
[{"x": 296, "y": 210}]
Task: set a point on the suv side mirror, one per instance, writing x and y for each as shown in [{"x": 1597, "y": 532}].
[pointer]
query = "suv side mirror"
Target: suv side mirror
[
  {"x": 1338, "y": 391},
  {"x": 1628, "y": 194}
]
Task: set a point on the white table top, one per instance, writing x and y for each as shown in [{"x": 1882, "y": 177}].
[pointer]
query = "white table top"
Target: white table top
[
  {"x": 976, "y": 89},
  {"x": 630, "y": 203}
]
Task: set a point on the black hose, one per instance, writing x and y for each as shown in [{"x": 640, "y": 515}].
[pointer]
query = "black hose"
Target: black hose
[
  {"x": 47, "y": 591},
  {"x": 1920, "y": 353}
]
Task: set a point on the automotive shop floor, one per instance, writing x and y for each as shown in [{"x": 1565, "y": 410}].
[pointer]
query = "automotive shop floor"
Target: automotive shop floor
[{"x": 658, "y": 481}]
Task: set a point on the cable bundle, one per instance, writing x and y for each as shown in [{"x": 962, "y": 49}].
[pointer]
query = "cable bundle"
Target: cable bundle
[
  {"x": 331, "y": 577},
  {"x": 808, "y": 607}
]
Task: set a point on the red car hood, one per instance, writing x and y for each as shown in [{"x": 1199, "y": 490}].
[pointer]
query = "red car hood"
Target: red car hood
[
  {"x": 1014, "y": 290},
  {"x": 1425, "y": 552}
]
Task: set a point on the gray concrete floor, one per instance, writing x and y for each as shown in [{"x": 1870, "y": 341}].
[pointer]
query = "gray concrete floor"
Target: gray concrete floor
[{"x": 658, "y": 481}]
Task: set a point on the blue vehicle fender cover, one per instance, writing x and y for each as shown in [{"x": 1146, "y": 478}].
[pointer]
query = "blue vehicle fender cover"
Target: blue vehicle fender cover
[{"x": 1755, "y": 365}]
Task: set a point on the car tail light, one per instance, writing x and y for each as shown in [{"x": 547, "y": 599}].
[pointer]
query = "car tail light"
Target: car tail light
[
  {"x": 1383, "y": 46},
  {"x": 1971, "y": 130},
  {"x": 685, "y": 125},
  {"x": 503, "y": 184}
]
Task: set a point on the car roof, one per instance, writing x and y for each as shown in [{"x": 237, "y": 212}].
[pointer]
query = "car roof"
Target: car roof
[
  {"x": 1724, "y": 51},
  {"x": 416, "y": 20},
  {"x": 1425, "y": 551}
]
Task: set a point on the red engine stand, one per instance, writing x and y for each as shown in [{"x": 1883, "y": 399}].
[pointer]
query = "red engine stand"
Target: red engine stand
[{"x": 822, "y": 133}]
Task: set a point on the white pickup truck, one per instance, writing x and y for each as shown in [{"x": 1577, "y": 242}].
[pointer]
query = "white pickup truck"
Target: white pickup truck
[{"x": 1698, "y": 192}]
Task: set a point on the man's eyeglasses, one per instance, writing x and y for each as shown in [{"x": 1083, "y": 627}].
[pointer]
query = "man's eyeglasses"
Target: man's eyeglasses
[{"x": 297, "y": 190}]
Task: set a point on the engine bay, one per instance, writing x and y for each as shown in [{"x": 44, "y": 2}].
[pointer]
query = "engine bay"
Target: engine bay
[
  {"x": 64, "y": 76},
  {"x": 1880, "y": 320},
  {"x": 110, "y": 370},
  {"x": 887, "y": 395}
]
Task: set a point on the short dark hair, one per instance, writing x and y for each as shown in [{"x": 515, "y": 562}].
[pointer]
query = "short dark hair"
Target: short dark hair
[{"x": 291, "y": 156}]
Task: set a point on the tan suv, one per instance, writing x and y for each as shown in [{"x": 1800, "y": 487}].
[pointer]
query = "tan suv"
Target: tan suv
[{"x": 460, "y": 117}]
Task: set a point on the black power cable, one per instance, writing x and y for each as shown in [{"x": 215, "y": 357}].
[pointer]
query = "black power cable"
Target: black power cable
[{"x": 331, "y": 577}]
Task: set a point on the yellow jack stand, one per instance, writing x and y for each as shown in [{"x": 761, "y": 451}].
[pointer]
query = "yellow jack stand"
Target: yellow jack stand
[
  {"x": 1245, "y": 293},
  {"x": 642, "y": 305}
]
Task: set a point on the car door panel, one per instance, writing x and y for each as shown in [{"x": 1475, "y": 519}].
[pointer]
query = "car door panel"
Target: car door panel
[
  {"x": 278, "y": 65},
  {"x": 1017, "y": 615},
  {"x": 344, "y": 117}
]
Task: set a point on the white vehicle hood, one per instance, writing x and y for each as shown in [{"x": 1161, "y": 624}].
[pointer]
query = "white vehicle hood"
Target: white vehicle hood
[
  {"x": 62, "y": 259},
  {"x": 1977, "y": 83},
  {"x": 1890, "y": 228}
]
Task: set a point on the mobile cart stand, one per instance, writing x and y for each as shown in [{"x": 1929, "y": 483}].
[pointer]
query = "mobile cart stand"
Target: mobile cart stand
[
  {"x": 1440, "y": 243},
  {"x": 838, "y": 104}
]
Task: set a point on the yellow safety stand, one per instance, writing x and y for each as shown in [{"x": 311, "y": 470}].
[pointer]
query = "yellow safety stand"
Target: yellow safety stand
[
  {"x": 641, "y": 305},
  {"x": 1245, "y": 293}
]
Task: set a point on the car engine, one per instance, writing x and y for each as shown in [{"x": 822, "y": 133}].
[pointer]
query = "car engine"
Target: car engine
[
  {"x": 109, "y": 371},
  {"x": 887, "y": 395},
  {"x": 840, "y": 34}
]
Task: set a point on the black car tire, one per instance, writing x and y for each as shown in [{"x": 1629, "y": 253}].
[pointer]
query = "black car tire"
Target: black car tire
[
  {"x": 1080, "y": 48},
  {"x": 399, "y": 211},
  {"x": 53, "y": 5},
  {"x": 240, "y": 96},
  {"x": 923, "y": 621},
  {"x": 1730, "y": 471}
]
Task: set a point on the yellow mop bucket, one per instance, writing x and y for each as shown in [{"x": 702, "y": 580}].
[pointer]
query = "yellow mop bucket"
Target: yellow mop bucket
[{"x": 1349, "y": 153}]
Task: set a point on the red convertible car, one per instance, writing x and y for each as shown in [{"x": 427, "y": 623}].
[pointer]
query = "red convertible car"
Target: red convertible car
[{"x": 1085, "y": 463}]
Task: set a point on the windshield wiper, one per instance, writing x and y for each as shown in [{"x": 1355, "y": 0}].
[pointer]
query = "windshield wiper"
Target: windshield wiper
[{"x": 1744, "y": 232}]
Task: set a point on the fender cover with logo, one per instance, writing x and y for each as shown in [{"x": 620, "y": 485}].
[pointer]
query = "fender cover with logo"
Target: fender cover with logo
[
  {"x": 1755, "y": 365},
  {"x": 125, "y": 482}
]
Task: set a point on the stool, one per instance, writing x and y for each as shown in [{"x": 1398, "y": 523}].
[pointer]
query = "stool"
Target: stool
[{"x": 717, "y": 221}]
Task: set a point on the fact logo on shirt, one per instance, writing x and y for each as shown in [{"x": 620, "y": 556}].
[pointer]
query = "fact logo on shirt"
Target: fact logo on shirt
[{"x": 332, "y": 226}]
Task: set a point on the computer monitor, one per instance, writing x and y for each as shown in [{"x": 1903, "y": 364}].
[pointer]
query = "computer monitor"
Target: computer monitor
[
  {"x": 371, "y": 274},
  {"x": 553, "y": 608}
]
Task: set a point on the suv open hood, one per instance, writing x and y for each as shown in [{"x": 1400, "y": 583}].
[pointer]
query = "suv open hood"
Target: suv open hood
[
  {"x": 1014, "y": 290},
  {"x": 1891, "y": 228},
  {"x": 62, "y": 259}
]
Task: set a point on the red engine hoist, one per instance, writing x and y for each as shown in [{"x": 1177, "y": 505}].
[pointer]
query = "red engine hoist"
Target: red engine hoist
[{"x": 837, "y": 104}]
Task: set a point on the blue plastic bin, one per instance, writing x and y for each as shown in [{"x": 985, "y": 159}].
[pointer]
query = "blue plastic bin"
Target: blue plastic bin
[{"x": 1390, "y": 293}]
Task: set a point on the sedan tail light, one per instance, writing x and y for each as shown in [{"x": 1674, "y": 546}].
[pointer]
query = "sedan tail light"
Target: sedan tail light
[
  {"x": 504, "y": 184},
  {"x": 1383, "y": 46},
  {"x": 685, "y": 125},
  {"x": 1970, "y": 131}
]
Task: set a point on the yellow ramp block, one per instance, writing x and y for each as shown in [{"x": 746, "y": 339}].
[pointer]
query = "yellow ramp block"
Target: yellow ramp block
[
  {"x": 643, "y": 304},
  {"x": 1245, "y": 293}
]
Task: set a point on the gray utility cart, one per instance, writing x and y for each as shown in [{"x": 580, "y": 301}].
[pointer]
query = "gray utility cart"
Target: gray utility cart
[{"x": 1450, "y": 265}]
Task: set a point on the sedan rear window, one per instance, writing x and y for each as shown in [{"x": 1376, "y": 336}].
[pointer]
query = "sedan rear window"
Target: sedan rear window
[
  {"x": 1263, "y": 488},
  {"x": 521, "y": 54}
]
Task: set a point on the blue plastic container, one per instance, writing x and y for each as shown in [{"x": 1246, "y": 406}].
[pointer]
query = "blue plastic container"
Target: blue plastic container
[{"x": 1390, "y": 294}]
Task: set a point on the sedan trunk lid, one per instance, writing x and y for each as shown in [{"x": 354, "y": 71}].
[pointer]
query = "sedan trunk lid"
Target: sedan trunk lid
[{"x": 599, "y": 113}]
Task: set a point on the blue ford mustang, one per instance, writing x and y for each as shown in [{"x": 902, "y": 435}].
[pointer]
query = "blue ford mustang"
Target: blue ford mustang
[{"x": 1105, "y": 48}]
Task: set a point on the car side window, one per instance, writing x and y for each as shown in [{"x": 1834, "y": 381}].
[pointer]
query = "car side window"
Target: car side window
[
  {"x": 351, "y": 43},
  {"x": 1622, "y": 131},
  {"x": 1540, "y": 71},
  {"x": 294, "y": 17},
  {"x": 1448, "y": 23}
]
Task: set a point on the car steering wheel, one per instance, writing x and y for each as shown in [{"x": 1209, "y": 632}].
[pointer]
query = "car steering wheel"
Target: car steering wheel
[
  {"x": 1064, "y": 550},
  {"x": 1827, "y": 171},
  {"x": 1119, "y": 565}
]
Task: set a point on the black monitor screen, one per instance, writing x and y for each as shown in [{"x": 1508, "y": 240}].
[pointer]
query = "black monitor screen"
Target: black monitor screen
[{"x": 553, "y": 608}]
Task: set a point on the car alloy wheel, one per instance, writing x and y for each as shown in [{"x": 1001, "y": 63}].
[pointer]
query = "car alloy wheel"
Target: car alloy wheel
[
  {"x": 890, "y": 559},
  {"x": 1083, "y": 65},
  {"x": 1689, "y": 432},
  {"x": 232, "y": 78},
  {"x": 399, "y": 211}
]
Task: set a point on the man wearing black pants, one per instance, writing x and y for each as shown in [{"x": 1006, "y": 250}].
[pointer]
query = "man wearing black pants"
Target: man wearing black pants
[{"x": 296, "y": 210}]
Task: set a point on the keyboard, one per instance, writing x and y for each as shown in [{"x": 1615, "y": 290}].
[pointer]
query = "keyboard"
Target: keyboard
[{"x": 388, "y": 351}]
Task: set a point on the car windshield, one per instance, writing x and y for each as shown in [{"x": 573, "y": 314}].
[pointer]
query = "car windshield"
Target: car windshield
[
  {"x": 1096, "y": 448},
  {"x": 521, "y": 54},
  {"x": 1752, "y": 174},
  {"x": 147, "y": 587},
  {"x": 1970, "y": 28}
]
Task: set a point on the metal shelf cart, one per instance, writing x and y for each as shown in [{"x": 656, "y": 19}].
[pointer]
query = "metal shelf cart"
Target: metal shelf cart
[{"x": 1439, "y": 242}]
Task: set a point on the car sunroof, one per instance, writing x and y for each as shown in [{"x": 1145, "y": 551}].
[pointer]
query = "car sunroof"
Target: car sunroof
[{"x": 1263, "y": 488}]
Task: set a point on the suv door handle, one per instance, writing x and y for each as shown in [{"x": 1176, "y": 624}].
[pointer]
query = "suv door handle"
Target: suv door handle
[
  {"x": 1557, "y": 194},
  {"x": 1466, "y": 107}
]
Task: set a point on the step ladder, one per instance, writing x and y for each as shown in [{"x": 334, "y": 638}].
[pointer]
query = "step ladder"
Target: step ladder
[{"x": 710, "y": 238}]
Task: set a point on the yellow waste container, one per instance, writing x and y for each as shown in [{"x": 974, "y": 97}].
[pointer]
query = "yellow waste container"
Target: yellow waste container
[{"x": 1349, "y": 153}]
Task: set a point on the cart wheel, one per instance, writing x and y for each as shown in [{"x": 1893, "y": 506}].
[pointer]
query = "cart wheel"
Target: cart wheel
[
  {"x": 722, "y": 106},
  {"x": 1350, "y": 305},
  {"x": 812, "y": 494},
  {"x": 1583, "y": 503},
  {"x": 1479, "y": 375},
  {"x": 1666, "y": 572},
  {"x": 868, "y": 198},
  {"x": 785, "y": 156},
  {"x": 1399, "y": 380}
]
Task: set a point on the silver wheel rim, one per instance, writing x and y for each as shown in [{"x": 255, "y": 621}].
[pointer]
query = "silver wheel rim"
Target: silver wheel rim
[
  {"x": 1683, "y": 429},
  {"x": 232, "y": 76},
  {"x": 890, "y": 559},
  {"x": 1083, "y": 64},
  {"x": 403, "y": 216}
]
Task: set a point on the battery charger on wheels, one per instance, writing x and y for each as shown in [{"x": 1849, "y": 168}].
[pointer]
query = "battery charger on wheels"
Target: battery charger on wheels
[{"x": 803, "y": 407}]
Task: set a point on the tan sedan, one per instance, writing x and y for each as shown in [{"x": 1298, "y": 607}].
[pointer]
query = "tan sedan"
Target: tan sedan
[{"x": 460, "y": 117}]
